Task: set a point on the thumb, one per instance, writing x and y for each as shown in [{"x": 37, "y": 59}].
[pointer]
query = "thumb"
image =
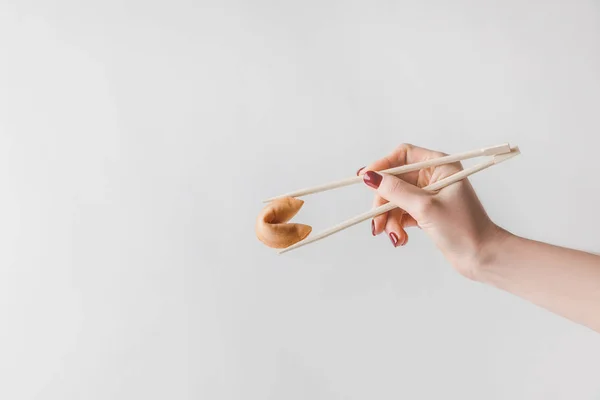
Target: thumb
[{"x": 410, "y": 198}]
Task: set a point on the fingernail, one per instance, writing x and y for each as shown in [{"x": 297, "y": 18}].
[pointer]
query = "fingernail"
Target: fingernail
[
  {"x": 372, "y": 179},
  {"x": 404, "y": 241},
  {"x": 394, "y": 239},
  {"x": 373, "y": 227},
  {"x": 360, "y": 169}
]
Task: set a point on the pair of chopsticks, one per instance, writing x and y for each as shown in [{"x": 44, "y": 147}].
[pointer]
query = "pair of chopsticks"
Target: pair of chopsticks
[{"x": 499, "y": 153}]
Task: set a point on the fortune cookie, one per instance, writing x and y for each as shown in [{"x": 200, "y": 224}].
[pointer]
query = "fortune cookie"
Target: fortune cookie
[{"x": 272, "y": 228}]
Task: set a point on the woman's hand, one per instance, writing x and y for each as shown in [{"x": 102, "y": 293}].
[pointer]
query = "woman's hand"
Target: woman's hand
[
  {"x": 454, "y": 217},
  {"x": 564, "y": 281}
]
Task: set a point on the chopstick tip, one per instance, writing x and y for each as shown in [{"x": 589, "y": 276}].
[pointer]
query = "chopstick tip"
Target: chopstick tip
[{"x": 514, "y": 151}]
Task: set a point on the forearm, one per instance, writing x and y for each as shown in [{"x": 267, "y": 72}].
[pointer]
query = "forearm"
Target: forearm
[{"x": 564, "y": 281}]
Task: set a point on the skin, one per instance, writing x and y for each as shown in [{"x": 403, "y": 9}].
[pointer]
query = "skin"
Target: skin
[{"x": 561, "y": 280}]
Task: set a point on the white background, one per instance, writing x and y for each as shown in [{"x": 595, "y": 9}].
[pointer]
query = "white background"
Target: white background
[{"x": 137, "y": 139}]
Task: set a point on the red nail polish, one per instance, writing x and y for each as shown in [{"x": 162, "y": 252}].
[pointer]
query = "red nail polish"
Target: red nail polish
[
  {"x": 360, "y": 169},
  {"x": 373, "y": 227},
  {"x": 394, "y": 239},
  {"x": 372, "y": 179}
]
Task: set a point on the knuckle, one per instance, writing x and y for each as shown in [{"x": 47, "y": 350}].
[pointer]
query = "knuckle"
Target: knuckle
[
  {"x": 396, "y": 186},
  {"x": 437, "y": 154},
  {"x": 427, "y": 205},
  {"x": 405, "y": 146}
]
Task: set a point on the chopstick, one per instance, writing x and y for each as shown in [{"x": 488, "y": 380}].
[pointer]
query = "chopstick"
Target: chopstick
[
  {"x": 486, "y": 151},
  {"x": 496, "y": 159}
]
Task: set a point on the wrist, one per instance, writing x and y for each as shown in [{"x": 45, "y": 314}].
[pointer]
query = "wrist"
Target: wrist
[{"x": 493, "y": 243}]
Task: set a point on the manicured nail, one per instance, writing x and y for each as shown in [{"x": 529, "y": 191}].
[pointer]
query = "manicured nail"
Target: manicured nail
[
  {"x": 404, "y": 241},
  {"x": 360, "y": 169},
  {"x": 372, "y": 179},
  {"x": 373, "y": 227},
  {"x": 394, "y": 239}
]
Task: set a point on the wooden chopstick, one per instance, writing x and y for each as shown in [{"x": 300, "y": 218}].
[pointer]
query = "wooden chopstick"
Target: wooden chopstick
[
  {"x": 487, "y": 151},
  {"x": 390, "y": 206}
]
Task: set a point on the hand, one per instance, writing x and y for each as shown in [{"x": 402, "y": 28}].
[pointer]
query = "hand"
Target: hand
[
  {"x": 564, "y": 281},
  {"x": 453, "y": 217}
]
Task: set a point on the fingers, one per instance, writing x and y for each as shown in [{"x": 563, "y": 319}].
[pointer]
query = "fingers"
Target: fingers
[
  {"x": 404, "y": 195},
  {"x": 402, "y": 155},
  {"x": 378, "y": 223},
  {"x": 408, "y": 221},
  {"x": 397, "y": 158},
  {"x": 394, "y": 228}
]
